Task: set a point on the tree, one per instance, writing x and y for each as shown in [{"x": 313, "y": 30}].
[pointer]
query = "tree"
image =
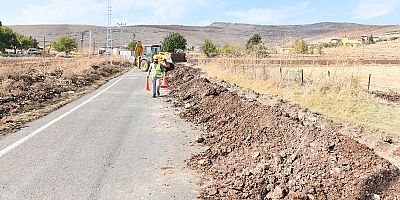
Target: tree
[
  {"x": 209, "y": 48},
  {"x": 35, "y": 43},
  {"x": 65, "y": 44},
  {"x": 132, "y": 46},
  {"x": 25, "y": 42},
  {"x": 11, "y": 40},
  {"x": 320, "y": 49},
  {"x": 6, "y": 38},
  {"x": 254, "y": 40},
  {"x": 173, "y": 41},
  {"x": 20, "y": 41},
  {"x": 300, "y": 47},
  {"x": 371, "y": 40}
]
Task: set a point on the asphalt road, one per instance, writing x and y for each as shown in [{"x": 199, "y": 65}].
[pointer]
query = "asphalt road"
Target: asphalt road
[{"x": 114, "y": 143}]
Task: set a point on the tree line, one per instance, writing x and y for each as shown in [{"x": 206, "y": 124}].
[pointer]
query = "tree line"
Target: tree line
[{"x": 12, "y": 40}]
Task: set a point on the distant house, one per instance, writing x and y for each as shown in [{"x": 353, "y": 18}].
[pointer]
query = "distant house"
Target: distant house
[
  {"x": 102, "y": 50},
  {"x": 376, "y": 39},
  {"x": 197, "y": 48},
  {"x": 335, "y": 41},
  {"x": 347, "y": 41},
  {"x": 364, "y": 38},
  {"x": 127, "y": 54}
]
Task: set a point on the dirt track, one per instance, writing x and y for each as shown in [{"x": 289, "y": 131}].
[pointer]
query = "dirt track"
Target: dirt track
[{"x": 254, "y": 151}]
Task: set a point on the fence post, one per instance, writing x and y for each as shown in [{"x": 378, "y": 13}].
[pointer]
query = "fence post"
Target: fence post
[
  {"x": 369, "y": 82},
  {"x": 302, "y": 77}
]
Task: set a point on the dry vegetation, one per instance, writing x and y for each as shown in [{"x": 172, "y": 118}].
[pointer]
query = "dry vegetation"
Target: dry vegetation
[
  {"x": 379, "y": 51},
  {"x": 31, "y": 87},
  {"x": 336, "y": 92}
]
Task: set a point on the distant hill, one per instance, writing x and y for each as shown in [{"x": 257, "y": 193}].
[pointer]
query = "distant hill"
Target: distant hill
[{"x": 218, "y": 32}]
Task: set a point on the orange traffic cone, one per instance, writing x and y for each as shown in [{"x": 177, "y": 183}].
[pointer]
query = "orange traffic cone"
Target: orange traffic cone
[
  {"x": 164, "y": 83},
  {"x": 146, "y": 87}
]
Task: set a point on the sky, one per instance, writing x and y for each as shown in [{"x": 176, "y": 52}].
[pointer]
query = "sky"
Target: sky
[{"x": 199, "y": 12}]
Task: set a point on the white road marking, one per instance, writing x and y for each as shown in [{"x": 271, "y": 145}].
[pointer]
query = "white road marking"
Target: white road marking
[{"x": 24, "y": 139}]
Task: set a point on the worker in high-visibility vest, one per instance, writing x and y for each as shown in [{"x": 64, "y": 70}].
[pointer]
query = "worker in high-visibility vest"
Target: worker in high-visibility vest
[{"x": 156, "y": 72}]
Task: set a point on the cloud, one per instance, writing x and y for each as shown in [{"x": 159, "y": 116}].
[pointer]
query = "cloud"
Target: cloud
[
  {"x": 56, "y": 12},
  {"x": 268, "y": 15},
  {"x": 94, "y": 11},
  {"x": 369, "y": 9},
  {"x": 161, "y": 11}
]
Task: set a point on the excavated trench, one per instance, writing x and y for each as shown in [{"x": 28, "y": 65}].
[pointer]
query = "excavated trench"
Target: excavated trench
[{"x": 257, "y": 151}]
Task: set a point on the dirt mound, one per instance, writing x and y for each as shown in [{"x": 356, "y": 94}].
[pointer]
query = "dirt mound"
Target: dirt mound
[
  {"x": 256, "y": 151},
  {"x": 33, "y": 91}
]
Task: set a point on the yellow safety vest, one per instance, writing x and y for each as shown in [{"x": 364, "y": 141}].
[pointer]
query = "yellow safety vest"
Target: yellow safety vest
[{"x": 156, "y": 71}]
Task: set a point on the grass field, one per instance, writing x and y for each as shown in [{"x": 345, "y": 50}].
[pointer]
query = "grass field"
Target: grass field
[{"x": 336, "y": 92}]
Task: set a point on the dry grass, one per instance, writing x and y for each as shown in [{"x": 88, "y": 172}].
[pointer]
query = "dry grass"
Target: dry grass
[
  {"x": 70, "y": 67},
  {"x": 74, "y": 65},
  {"x": 341, "y": 96},
  {"x": 31, "y": 87},
  {"x": 379, "y": 51}
]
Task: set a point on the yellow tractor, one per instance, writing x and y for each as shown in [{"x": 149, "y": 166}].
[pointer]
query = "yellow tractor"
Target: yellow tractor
[{"x": 144, "y": 55}]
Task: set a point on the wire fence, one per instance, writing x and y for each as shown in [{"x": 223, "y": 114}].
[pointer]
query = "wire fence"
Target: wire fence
[{"x": 341, "y": 77}]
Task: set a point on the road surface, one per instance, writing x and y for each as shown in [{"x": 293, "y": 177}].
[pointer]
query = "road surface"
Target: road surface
[{"x": 114, "y": 143}]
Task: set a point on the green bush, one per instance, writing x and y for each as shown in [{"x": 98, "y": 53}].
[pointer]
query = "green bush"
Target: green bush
[
  {"x": 172, "y": 42},
  {"x": 65, "y": 44},
  {"x": 260, "y": 50},
  {"x": 11, "y": 40},
  {"x": 254, "y": 40},
  {"x": 319, "y": 49},
  {"x": 300, "y": 47},
  {"x": 6, "y": 38},
  {"x": 209, "y": 48},
  {"x": 132, "y": 46},
  {"x": 230, "y": 50}
]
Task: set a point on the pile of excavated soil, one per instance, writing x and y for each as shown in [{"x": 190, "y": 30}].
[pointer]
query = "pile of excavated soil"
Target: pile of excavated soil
[
  {"x": 31, "y": 94},
  {"x": 255, "y": 151}
]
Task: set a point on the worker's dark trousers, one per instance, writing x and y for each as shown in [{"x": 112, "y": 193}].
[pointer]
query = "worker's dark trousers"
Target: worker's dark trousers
[{"x": 156, "y": 85}]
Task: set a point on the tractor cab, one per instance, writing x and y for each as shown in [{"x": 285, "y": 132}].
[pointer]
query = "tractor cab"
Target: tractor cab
[{"x": 148, "y": 52}]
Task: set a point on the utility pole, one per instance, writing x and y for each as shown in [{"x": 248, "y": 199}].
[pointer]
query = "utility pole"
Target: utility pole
[
  {"x": 109, "y": 29},
  {"x": 82, "y": 34},
  {"x": 94, "y": 44},
  {"x": 90, "y": 42},
  {"x": 44, "y": 45}
]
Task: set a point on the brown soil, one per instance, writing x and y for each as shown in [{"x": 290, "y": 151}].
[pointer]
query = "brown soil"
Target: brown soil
[
  {"x": 39, "y": 94},
  {"x": 255, "y": 151}
]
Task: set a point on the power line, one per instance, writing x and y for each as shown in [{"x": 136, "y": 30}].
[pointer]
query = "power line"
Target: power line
[{"x": 121, "y": 26}]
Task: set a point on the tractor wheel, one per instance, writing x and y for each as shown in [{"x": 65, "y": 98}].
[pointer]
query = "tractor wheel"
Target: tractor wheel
[{"x": 144, "y": 65}]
